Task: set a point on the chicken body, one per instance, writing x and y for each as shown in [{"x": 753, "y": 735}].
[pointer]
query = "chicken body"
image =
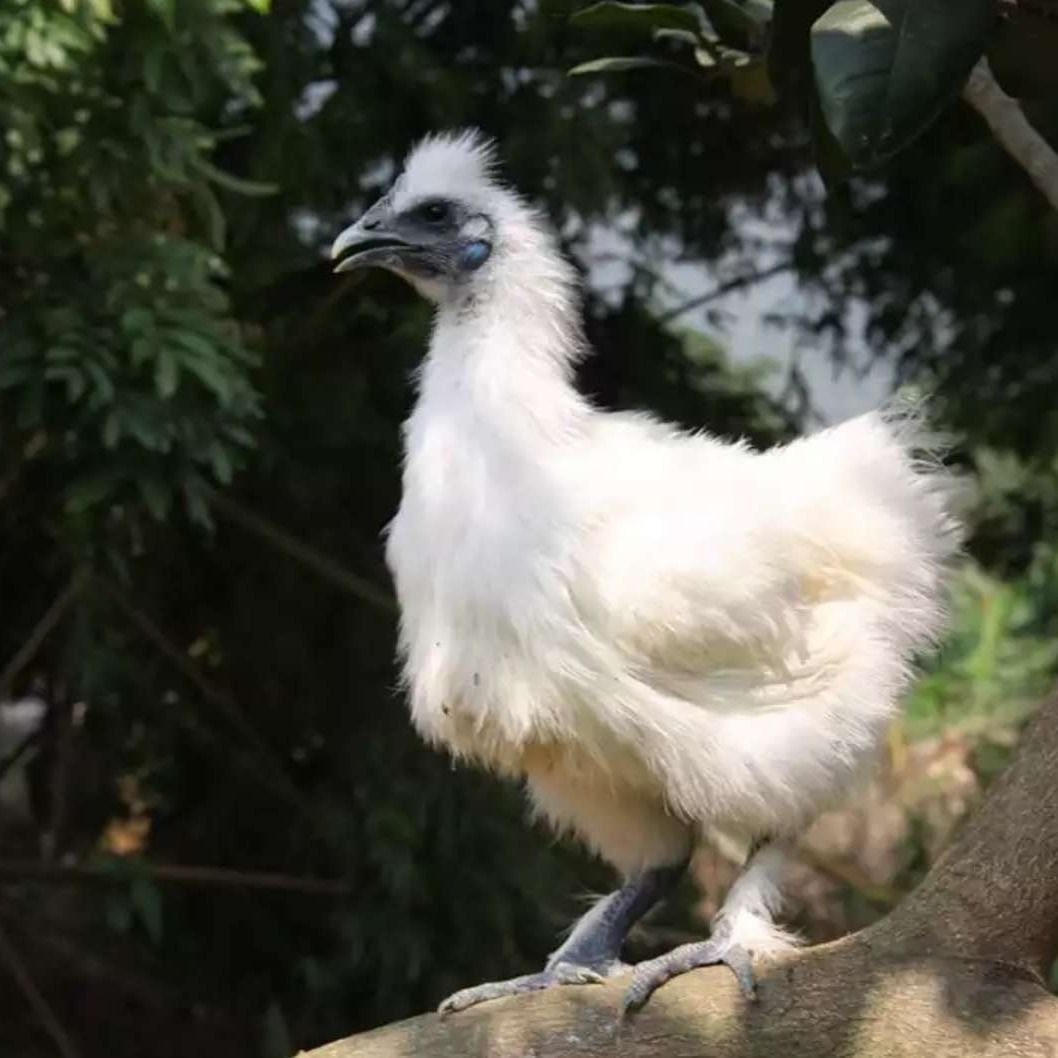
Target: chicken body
[{"x": 663, "y": 633}]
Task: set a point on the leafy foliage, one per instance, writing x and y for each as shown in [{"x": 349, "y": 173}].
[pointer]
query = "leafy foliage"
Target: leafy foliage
[
  {"x": 882, "y": 70},
  {"x": 885, "y": 70},
  {"x": 121, "y": 354},
  {"x": 1002, "y": 654}
]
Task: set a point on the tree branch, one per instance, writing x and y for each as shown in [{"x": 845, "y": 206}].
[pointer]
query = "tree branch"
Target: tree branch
[
  {"x": 35, "y": 998},
  {"x": 30, "y": 450},
  {"x": 954, "y": 972},
  {"x": 1012, "y": 129},
  {"x": 269, "y": 763},
  {"x": 737, "y": 283},
  {"x": 178, "y": 873},
  {"x": 47, "y": 624},
  {"x": 25, "y": 744},
  {"x": 322, "y": 565}
]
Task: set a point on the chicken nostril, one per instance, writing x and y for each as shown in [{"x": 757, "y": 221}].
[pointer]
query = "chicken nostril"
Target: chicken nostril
[{"x": 369, "y": 225}]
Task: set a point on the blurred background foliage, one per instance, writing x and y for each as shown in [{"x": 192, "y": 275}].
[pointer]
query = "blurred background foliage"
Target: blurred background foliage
[{"x": 218, "y": 835}]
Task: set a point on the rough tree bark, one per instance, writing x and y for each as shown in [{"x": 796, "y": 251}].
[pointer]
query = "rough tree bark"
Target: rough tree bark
[{"x": 956, "y": 971}]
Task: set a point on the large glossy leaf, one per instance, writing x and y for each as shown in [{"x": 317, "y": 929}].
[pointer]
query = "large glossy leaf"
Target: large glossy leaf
[
  {"x": 885, "y": 70},
  {"x": 610, "y": 14}
]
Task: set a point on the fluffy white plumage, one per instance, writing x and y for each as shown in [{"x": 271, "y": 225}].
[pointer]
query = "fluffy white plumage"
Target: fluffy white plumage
[{"x": 661, "y": 632}]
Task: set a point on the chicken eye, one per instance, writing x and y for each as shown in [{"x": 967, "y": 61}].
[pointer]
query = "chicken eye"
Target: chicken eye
[{"x": 434, "y": 212}]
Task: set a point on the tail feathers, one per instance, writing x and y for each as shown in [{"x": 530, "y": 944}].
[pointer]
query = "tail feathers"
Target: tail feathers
[{"x": 875, "y": 505}]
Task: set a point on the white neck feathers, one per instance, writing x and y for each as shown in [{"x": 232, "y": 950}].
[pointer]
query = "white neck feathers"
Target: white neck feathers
[{"x": 503, "y": 352}]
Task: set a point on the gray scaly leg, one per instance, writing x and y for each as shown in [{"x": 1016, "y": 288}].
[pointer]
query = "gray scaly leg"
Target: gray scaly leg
[
  {"x": 742, "y": 928},
  {"x": 592, "y": 952}
]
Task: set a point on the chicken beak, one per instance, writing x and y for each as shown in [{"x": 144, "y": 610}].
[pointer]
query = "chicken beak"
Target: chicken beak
[{"x": 362, "y": 245}]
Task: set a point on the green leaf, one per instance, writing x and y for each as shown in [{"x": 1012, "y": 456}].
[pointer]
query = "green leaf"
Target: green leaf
[
  {"x": 146, "y": 900},
  {"x": 212, "y": 377},
  {"x": 750, "y": 82},
  {"x": 885, "y": 70},
  {"x": 220, "y": 461},
  {"x": 262, "y": 7},
  {"x": 682, "y": 36},
  {"x": 165, "y": 10},
  {"x": 111, "y": 431},
  {"x": 103, "y": 383},
  {"x": 156, "y": 496},
  {"x": 619, "y": 64},
  {"x": 13, "y": 375},
  {"x": 211, "y": 216},
  {"x": 143, "y": 350},
  {"x": 238, "y": 184},
  {"x": 72, "y": 376},
  {"x": 90, "y": 492},
  {"x": 197, "y": 343},
  {"x": 136, "y": 319},
  {"x": 197, "y": 508},
  {"x": 166, "y": 373},
  {"x": 610, "y": 14}
]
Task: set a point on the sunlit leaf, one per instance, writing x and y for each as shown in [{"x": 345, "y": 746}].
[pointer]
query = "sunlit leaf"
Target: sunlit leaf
[
  {"x": 621, "y": 64},
  {"x": 751, "y": 83},
  {"x": 610, "y": 14}
]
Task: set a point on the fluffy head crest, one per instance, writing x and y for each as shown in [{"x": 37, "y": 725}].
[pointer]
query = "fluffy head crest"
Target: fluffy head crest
[{"x": 449, "y": 163}]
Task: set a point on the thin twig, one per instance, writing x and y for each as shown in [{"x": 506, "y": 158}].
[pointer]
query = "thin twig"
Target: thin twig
[
  {"x": 30, "y": 450},
  {"x": 43, "y": 628},
  {"x": 1012, "y": 129},
  {"x": 24, "y": 980},
  {"x": 321, "y": 564},
  {"x": 101, "y": 972},
  {"x": 179, "y": 874},
  {"x": 62, "y": 731},
  {"x": 212, "y": 694},
  {"x": 725, "y": 288},
  {"x": 23, "y": 747}
]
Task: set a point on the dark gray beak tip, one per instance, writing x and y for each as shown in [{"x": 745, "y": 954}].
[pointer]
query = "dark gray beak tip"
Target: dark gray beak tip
[{"x": 357, "y": 248}]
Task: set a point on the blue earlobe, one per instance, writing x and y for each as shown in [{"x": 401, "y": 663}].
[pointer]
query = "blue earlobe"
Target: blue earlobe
[{"x": 474, "y": 255}]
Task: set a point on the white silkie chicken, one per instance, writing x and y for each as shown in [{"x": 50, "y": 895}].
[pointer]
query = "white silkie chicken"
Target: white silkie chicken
[{"x": 662, "y": 633}]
